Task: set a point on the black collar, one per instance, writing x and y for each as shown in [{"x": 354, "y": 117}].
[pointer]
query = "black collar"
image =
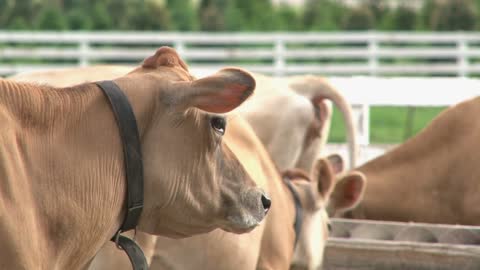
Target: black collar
[
  {"x": 298, "y": 209},
  {"x": 132, "y": 155}
]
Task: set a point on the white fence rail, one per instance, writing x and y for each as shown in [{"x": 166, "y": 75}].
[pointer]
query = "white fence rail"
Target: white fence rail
[
  {"x": 336, "y": 53},
  {"x": 374, "y": 54}
]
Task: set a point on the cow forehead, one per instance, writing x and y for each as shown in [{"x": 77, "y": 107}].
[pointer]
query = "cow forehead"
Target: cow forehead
[
  {"x": 166, "y": 73},
  {"x": 308, "y": 194}
]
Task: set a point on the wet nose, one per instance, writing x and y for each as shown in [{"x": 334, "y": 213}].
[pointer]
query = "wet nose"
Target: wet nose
[{"x": 266, "y": 202}]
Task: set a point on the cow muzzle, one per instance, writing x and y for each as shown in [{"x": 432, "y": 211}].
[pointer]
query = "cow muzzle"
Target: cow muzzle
[{"x": 252, "y": 208}]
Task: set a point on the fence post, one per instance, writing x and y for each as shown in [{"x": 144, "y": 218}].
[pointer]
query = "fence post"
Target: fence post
[
  {"x": 84, "y": 50},
  {"x": 361, "y": 119},
  {"x": 279, "y": 57},
  {"x": 180, "y": 48},
  {"x": 462, "y": 57},
  {"x": 362, "y": 112},
  {"x": 372, "y": 54}
]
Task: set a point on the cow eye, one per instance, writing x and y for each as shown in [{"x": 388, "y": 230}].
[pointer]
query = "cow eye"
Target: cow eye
[{"x": 218, "y": 124}]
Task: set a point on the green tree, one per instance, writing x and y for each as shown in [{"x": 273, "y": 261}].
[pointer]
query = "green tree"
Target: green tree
[
  {"x": 288, "y": 18},
  {"x": 103, "y": 14},
  {"x": 234, "y": 17},
  {"x": 360, "y": 18},
  {"x": 4, "y": 12},
  {"x": 404, "y": 18},
  {"x": 151, "y": 16},
  {"x": 379, "y": 9},
  {"x": 23, "y": 8},
  {"x": 322, "y": 15},
  {"x": 14, "y": 14},
  {"x": 100, "y": 16},
  {"x": 258, "y": 14},
  {"x": 19, "y": 23},
  {"x": 69, "y": 5},
  {"x": 401, "y": 18},
  {"x": 78, "y": 19},
  {"x": 182, "y": 14},
  {"x": 211, "y": 14},
  {"x": 454, "y": 15},
  {"x": 51, "y": 18},
  {"x": 425, "y": 15}
]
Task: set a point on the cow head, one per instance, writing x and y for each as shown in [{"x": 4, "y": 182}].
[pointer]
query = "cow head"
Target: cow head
[
  {"x": 193, "y": 182},
  {"x": 315, "y": 195}
]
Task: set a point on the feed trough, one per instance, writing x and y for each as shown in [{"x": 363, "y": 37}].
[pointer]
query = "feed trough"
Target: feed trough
[{"x": 366, "y": 245}]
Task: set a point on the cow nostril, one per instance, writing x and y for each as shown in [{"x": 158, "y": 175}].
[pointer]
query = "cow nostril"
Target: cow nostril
[{"x": 266, "y": 202}]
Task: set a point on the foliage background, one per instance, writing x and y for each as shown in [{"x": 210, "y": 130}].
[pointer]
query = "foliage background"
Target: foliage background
[{"x": 237, "y": 15}]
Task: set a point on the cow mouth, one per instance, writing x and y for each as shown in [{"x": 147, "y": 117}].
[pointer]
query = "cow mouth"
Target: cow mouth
[
  {"x": 246, "y": 211},
  {"x": 244, "y": 222}
]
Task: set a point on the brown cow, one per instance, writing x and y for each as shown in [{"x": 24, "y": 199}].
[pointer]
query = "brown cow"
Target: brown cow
[
  {"x": 433, "y": 177},
  {"x": 270, "y": 246},
  {"x": 62, "y": 186}
]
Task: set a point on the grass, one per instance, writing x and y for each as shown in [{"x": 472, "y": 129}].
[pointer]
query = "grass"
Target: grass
[{"x": 388, "y": 124}]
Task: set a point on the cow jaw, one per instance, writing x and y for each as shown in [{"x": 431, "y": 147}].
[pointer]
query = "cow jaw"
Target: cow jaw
[{"x": 308, "y": 254}]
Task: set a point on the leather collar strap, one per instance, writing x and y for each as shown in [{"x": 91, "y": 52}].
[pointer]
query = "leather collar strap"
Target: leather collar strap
[
  {"x": 132, "y": 154},
  {"x": 298, "y": 209}
]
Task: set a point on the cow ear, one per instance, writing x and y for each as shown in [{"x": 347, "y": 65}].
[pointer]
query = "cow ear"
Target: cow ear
[
  {"x": 336, "y": 161},
  {"x": 164, "y": 56},
  {"x": 322, "y": 174},
  {"x": 348, "y": 191},
  {"x": 221, "y": 92}
]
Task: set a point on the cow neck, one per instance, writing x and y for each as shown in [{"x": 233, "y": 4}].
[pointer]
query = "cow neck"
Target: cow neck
[
  {"x": 42, "y": 107},
  {"x": 297, "y": 225},
  {"x": 132, "y": 154}
]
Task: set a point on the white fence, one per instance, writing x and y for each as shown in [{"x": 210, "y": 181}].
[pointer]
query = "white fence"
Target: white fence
[
  {"x": 335, "y": 53},
  {"x": 374, "y": 54}
]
